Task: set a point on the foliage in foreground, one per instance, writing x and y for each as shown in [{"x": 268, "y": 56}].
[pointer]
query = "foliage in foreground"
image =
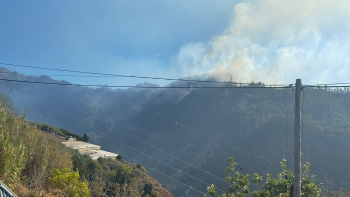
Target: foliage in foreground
[
  {"x": 32, "y": 164},
  {"x": 281, "y": 186},
  {"x": 62, "y": 132},
  {"x": 112, "y": 177},
  {"x": 69, "y": 184}
]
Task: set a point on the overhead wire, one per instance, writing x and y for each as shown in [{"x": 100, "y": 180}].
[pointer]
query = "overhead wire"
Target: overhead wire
[
  {"x": 332, "y": 185},
  {"x": 187, "y": 191},
  {"x": 173, "y": 178},
  {"x": 332, "y": 85},
  {"x": 139, "y": 77},
  {"x": 208, "y": 136},
  {"x": 152, "y": 87},
  {"x": 156, "y": 171},
  {"x": 136, "y": 149},
  {"x": 232, "y": 145},
  {"x": 127, "y": 156},
  {"x": 29, "y": 56},
  {"x": 128, "y": 134},
  {"x": 326, "y": 86},
  {"x": 115, "y": 75}
]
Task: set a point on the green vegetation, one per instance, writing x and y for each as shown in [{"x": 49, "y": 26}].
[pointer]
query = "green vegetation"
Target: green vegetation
[
  {"x": 69, "y": 184},
  {"x": 110, "y": 177},
  {"x": 119, "y": 158},
  {"x": 32, "y": 164},
  {"x": 281, "y": 186},
  {"x": 61, "y": 132},
  {"x": 259, "y": 121},
  {"x": 27, "y": 157}
]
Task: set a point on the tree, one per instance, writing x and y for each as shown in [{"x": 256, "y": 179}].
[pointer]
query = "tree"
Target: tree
[
  {"x": 122, "y": 176},
  {"x": 281, "y": 186},
  {"x": 68, "y": 182},
  {"x": 119, "y": 158},
  {"x": 12, "y": 159},
  {"x": 86, "y": 138},
  {"x": 147, "y": 190}
]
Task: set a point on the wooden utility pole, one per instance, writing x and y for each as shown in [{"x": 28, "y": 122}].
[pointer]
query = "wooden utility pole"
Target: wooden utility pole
[{"x": 297, "y": 139}]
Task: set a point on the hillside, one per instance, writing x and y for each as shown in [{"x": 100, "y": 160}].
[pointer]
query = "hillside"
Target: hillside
[
  {"x": 200, "y": 126},
  {"x": 35, "y": 163}
]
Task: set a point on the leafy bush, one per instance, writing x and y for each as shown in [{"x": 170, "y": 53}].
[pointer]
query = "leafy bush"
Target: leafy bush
[
  {"x": 119, "y": 158},
  {"x": 69, "y": 184},
  {"x": 12, "y": 159},
  {"x": 280, "y": 186},
  {"x": 137, "y": 172},
  {"x": 155, "y": 194}
]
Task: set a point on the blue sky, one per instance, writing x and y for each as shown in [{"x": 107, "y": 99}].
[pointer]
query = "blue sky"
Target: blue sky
[
  {"x": 119, "y": 36},
  {"x": 273, "y": 41}
]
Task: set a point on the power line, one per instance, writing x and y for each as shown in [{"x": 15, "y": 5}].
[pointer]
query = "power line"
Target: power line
[
  {"x": 126, "y": 133},
  {"x": 115, "y": 75},
  {"x": 180, "y": 170},
  {"x": 152, "y": 87},
  {"x": 186, "y": 184},
  {"x": 133, "y": 159},
  {"x": 332, "y": 185},
  {"x": 218, "y": 140},
  {"x": 157, "y": 171},
  {"x": 135, "y": 76},
  {"x": 327, "y": 86},
  {"x": 134, "y": 148},
  {"x": 26, "y": 54}
]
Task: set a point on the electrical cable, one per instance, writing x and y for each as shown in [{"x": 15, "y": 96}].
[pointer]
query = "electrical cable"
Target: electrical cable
[
  {"x": 126, "y": 133},
  {"x": 139, "y": 77},
  {"x": 117, "y": 75},
  {"x": 200, "y": 133},
  {"x": 187, "y": 191},
  {"x": 330, "y": 86},
  {"x": 37, "y": 75},
  {"x": 156, "y": 171},
  {"x": 189, "y": 128},
  {"x": 135, "y": 149},
  {"x": 128, "y": 157},
  {"x": 27, "y": 55},
  {"x": 152, "y": 87}
]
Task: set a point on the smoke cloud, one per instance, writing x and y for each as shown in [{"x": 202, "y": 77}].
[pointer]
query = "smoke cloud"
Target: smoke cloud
[{"x": 277, "y": 41}]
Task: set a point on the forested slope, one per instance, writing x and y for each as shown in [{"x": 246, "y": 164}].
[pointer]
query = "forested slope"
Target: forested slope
[
  {"x": 202, "y": 127},
  {"x": 34, "y": 164}
]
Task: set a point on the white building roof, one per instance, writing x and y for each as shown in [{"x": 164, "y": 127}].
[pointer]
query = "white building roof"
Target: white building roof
[
  {"x": 78, "y": 145},
  {"x": 95, "y": 154},
  {"x": 94, "y": 151}
]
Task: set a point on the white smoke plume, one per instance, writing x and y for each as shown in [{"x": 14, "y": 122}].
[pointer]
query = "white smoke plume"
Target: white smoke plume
[{"x": 277, "y": 41}]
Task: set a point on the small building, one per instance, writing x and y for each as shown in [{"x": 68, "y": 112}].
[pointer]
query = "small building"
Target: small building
[
  {"x": 78, "y": 145},
  {"x": 95, "y": 154},
  {"x": 5, "y": 191},
  {"x": 81, "y": 145},
  {"x": 94, "y": 151}
]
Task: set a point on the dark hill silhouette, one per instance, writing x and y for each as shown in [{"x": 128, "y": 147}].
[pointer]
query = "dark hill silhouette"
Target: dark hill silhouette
[{"x": 200, "y": 126}]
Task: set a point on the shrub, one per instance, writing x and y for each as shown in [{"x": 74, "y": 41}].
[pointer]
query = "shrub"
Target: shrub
[
  {"x": 155, "y": 194},
  {"x": 119, "y": 157},
  {"x": 68, "y": 182},
  {"x": 137, "y": 172}
]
